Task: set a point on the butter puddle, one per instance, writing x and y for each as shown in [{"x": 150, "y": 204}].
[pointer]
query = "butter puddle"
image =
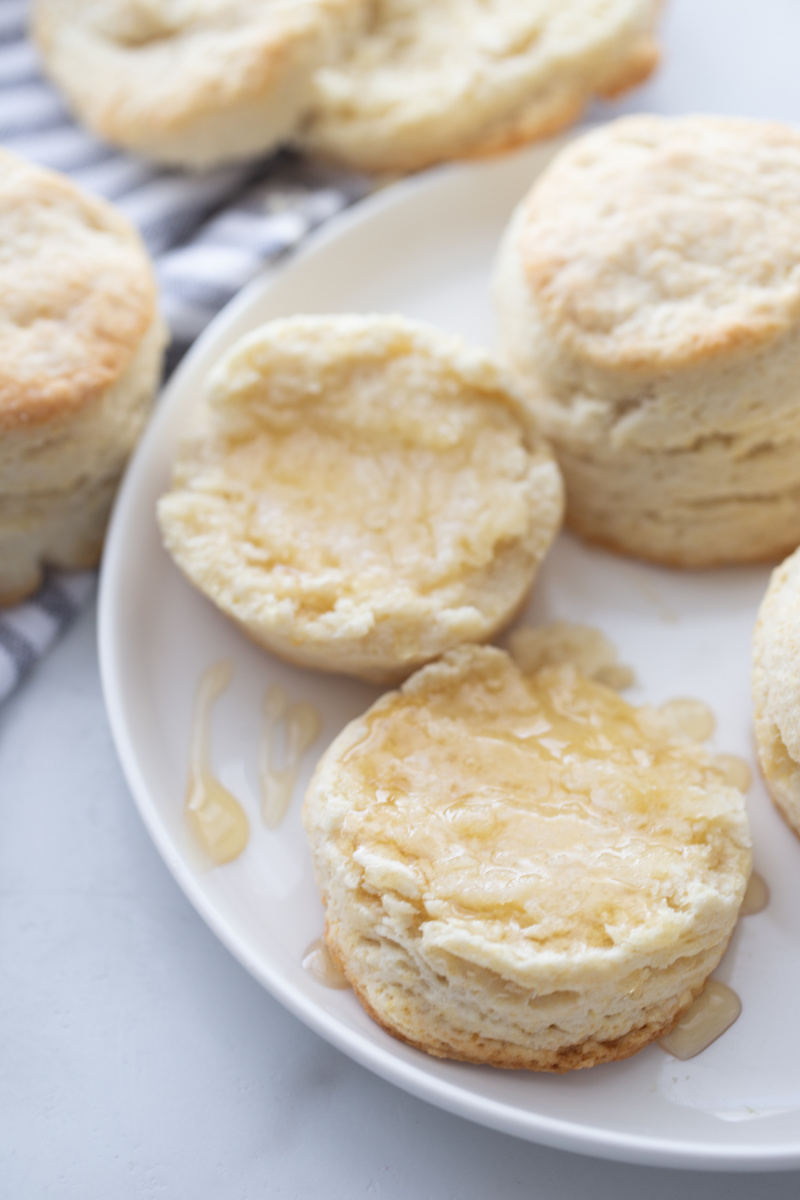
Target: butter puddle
[{"x": 714, "y": 1011}]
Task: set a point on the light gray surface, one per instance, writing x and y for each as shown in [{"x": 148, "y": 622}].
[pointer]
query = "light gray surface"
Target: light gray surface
[{"x": 138, "y": 1059}]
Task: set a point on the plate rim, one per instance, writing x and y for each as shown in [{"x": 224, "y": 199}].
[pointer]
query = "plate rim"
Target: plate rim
[{"x": 536, "y": 1127}]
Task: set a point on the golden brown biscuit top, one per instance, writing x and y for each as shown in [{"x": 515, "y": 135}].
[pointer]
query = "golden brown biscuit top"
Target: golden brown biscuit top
[
  {"x": 667, "y": 242},
  {"x": 523, "y": 814},
  {"x": 77, "y": 294}
]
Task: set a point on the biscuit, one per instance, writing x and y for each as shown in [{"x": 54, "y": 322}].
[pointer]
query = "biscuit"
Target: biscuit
[
  {"x": 361, "y": 493},
  {"x": 428, "y": 82},
  {"x": 648, "y": 296},
  {"x": 81, "y": 346},
  {"x": 776, "y": 688},
  {"x": 523, "y": 871},
  {"x": 191, "y": 82}
]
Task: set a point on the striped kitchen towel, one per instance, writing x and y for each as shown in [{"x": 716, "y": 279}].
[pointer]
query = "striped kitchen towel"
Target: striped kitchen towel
[{"x": 209, "y": 234}]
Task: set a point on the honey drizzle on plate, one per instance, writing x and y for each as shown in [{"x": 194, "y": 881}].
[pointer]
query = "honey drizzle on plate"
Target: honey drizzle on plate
[
  {"x": 735, "y": 771},
  {"x": 319, "y": 964},
  {"x": 707, "y": 1018},
  {"x": 215, "y": 817},
  {"x": 303, "y": 724},
  {"x": 756, "y": 897},
  {"x": 692, "y": 717}
]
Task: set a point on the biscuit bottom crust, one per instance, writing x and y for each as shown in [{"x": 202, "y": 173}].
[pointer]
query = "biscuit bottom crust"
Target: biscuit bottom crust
[
  {"x": 488, "y": 1052},
  {"x": 524, "y": 870}
]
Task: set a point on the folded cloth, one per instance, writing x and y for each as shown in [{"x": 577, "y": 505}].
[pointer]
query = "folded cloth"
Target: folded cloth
[{"x": 208, "y": 233}]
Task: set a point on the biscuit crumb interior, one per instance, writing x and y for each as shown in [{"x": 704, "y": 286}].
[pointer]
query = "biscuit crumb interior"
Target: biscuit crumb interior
[{"x": 330, "y": 491}]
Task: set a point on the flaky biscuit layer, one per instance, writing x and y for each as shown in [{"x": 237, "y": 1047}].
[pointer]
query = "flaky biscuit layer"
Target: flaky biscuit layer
[
  {"x": 523, "y": 870},
  {"x": 81, "y": 346},
  {"x": 648, "y": 290}
]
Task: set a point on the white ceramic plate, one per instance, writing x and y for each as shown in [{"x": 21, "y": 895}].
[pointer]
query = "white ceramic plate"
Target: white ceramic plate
[{"x": 424, "y": 248}]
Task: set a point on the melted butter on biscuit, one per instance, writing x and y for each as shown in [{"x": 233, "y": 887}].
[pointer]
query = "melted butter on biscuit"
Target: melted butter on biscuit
[
  {"x": 477, "y": 801},
  {"x": 389, "y": 474},
  {"x": 361, "y": 493}
]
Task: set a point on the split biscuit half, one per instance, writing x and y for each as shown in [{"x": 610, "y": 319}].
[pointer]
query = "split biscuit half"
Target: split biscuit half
[
  {"x": 191, "y": 82},
  {"x": 361, "y": 493},
  {"x": 648, "y": 296},
  {"x": 776, "y": 688},
  {"x": 427, "y": 82},
  {"x": 523, "y": 870},
  {"x": 81, "y": 347}
]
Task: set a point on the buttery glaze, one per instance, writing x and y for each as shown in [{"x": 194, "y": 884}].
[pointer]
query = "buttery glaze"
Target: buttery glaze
[
  {"x": 600, "y": 794},
  {"x": 756, "y": 897},
  {"x": 318, "y": 962},
  {"x": 692, "y": 717},
  {"x": 616, "y": 676},
  {"x": 302, "y": 727},
  {"x": 735, "y": 771},
  {"x": 714, "y": 1011},
  {"x": 215, "y": 818},
  {"x": 536, "y": 646}
]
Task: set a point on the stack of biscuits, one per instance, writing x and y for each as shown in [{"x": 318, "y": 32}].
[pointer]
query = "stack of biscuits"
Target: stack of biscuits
[
  {"x": 82, "y": 345},
  {"x": 648, "y": 294}
]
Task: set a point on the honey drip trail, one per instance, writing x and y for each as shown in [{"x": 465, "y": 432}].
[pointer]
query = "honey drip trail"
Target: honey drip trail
[
  {"x": 735, "y": 771},
  {"x": 215, "y": 817},
  {"x": 756, "y": 898},
  {"x": 302, "y": 725},
  {"x": 692, "y": 717},
  {"x": 318, "y": 962},
  {"x": 714, "y": 1011}
]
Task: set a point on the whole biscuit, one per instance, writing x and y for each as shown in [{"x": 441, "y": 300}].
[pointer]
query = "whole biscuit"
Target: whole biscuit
[
  {"x": 776, "y": 688},
  {"x": 522, "y": 870},
  {"x": 428, "y": 82},
  {"x": 191, "y": 82},
  {"x": 81, "y": 345},
  {"x": 648, "y": 291},
  {"x": 361, "y": 493}
]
